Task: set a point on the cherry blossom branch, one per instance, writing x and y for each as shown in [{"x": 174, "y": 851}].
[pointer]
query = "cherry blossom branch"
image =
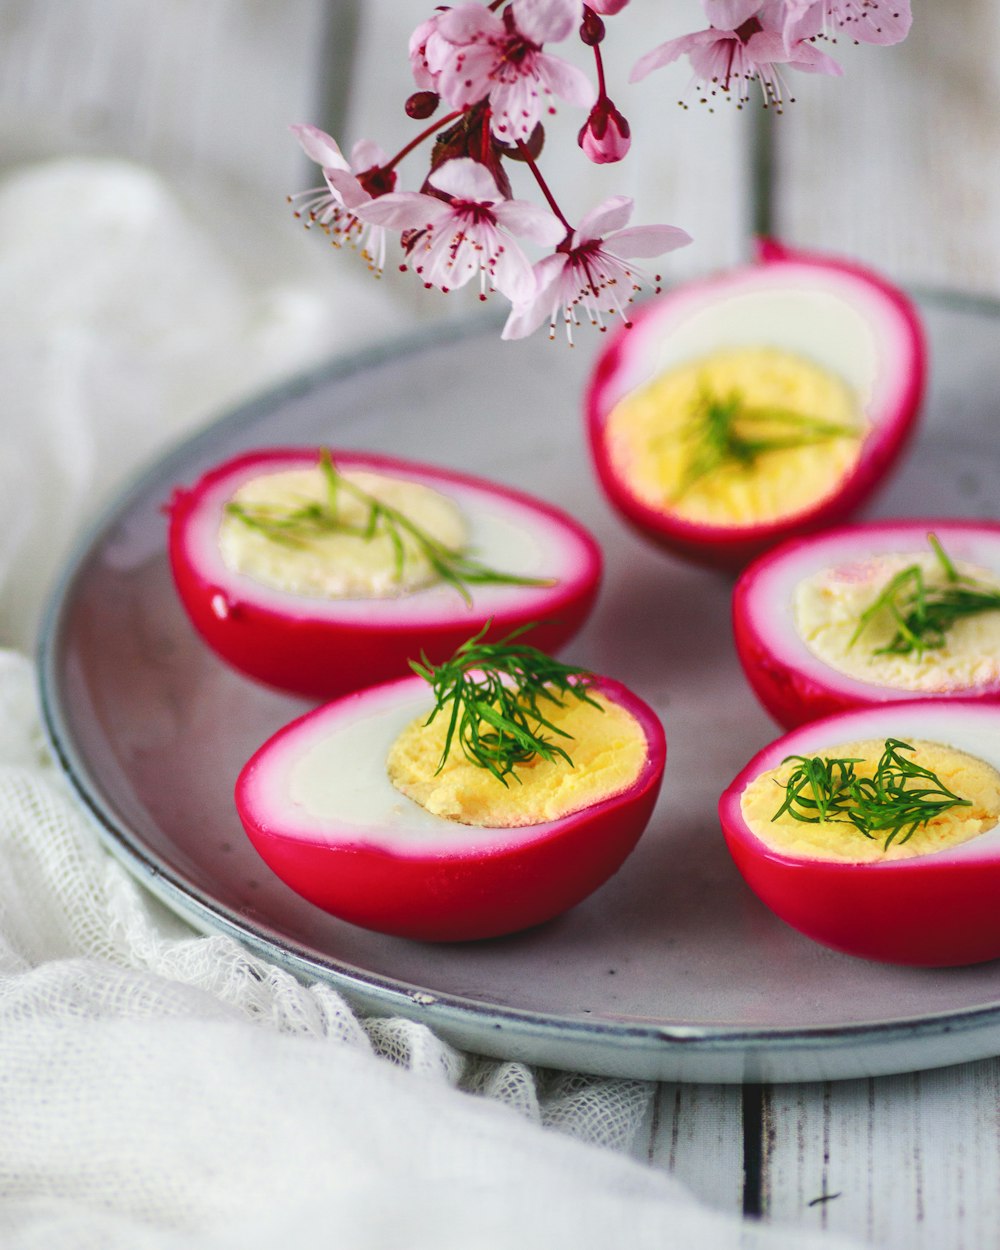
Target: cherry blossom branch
[
  {"x": 421, "y": 138},
  {"x": 543, "y": 186},
  {"x": 490, "y": 65}
]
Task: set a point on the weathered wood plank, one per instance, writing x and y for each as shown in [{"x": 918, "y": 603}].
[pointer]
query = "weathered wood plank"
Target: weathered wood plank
[
  {"x": 694, "y": 1132},
  {"x": 203, "y": 90},
  {"x": 907, "y": 1162},
  {"x": 897, "y": 162}
]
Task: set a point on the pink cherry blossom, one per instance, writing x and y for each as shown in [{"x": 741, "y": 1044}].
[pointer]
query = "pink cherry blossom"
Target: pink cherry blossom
[
  {"x": 608, "y": 7},
  {"x": 728, "y": 14},
  {"x": 424, "y": 47},
  {"x": 476, "y": 54},
  {"x": 333, "y": 206},
  {"x": 866, "y": 21},
  {"x": 451, "y": 240},
  {"x": 723, "y": 59},
  {"x": 588, "y": 271}
]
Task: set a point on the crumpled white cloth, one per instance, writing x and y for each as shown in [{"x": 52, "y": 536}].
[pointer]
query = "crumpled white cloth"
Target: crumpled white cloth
[{"x": 163, "y": 1089}]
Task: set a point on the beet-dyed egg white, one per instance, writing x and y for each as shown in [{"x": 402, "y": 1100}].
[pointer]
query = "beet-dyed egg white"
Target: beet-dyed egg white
[
  {"x": 335, "y": 613},
  {"x": 763, "y": 402},
  {"x": 816, "y": 621},
  {"x": 319, "y": 806},
  {"x": 929, "y": 901}
]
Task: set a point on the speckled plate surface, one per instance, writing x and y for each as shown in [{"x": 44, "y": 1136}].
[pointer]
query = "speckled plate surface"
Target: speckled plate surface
[{"x": 673, "y": 970}]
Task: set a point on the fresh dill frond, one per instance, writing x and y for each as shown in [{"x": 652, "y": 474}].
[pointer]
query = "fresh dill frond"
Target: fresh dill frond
[
  {"x": 726, "y": 431},
  {"x": 301, "y": 525},
  {"x": 923, "y": 612},
  {"x": 494, "y": 695},
  {"x": 894, "y": 802}
]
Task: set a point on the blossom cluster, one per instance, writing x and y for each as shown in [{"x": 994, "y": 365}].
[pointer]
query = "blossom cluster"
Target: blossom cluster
[{"x": 488, "y": 68}]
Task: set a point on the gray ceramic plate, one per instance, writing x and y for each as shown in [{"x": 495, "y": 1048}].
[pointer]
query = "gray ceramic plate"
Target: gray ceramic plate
[{"x": 673, "y": 970}]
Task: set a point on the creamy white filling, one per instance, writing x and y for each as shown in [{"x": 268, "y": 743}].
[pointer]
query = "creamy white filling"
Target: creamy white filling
[
  {"x": 336, "y": 564},
  {"x": 828, "y": 605}
]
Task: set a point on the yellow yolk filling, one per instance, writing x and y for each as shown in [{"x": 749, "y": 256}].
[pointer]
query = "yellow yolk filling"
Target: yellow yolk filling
[
  {"x": 827, "y": 607},
  {"x": 964, "y": 775},
  {"x": 337, "y": 565},
  {"x": 607, "y": 747},
  {"x": 656, "y": 437}
]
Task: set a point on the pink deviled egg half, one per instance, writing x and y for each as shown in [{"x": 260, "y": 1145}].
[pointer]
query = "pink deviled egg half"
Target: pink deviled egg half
[
  {"x": 933, "y": 909},
  {"x": 840, "y": 321},
  {"x": 317, "y": 803},
  {"x": 320, "y": 645},
  {"x": 797, "y": 618}
]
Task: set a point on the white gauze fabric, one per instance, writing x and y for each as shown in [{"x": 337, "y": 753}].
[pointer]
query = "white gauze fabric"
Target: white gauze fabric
[{"x": 164, "y": 1089}]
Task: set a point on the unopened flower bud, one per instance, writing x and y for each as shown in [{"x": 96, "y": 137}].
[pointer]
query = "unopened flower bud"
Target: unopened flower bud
[
  {"x": 605, "y": 136},
  {"x": 422, "y": 105},
  {"x": 591, "y": 28}
]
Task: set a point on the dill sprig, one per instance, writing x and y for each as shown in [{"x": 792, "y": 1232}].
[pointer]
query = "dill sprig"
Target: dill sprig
[
  {"x": 727, "y": 431},
  {"x": 301, "y": 525},
  {"x": 892, "y": 802},
  {"x": 493, "y": 694},
  {"x": 923, "y": 612}
]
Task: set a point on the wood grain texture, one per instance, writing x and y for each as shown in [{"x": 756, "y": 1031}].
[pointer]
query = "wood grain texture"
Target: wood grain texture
[
  {"x": 898, "y": 162},
  {"x": 201, "y": 90},
  {"x": 694, "y": 1132},
  {"x": 908, "y": 1162}
]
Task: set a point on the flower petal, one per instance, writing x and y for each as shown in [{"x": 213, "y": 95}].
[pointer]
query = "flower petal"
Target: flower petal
[
  {"x": 466, "y": 179},
  {"x": 465, "y": 79},
  {"x": 530, "y": 221},
  {"x": 610, "y": 214},
  {"x": 647, "y": 240},
  {"x": 404, "y": 210},
  {"x": 512, "y": 274},
  {"x": 319, "y": 146},
  {"x": 525, "y": 318},
  {"x": 467, "y": 23},
  {"x": 567, "y": 81},
  {"x": 766, "y": 47},
  {"x": 728, "y": 14},
  {"x": 426, "y": 51},
  {"x": 366, "y": 154},
  {"x": 547, "y": 21},
  {"x": 811, "y": 60},
  {"x": 665, "y": 54},
  {"x": 873, "y": 21},
  {"x": 346, "y": 188}
]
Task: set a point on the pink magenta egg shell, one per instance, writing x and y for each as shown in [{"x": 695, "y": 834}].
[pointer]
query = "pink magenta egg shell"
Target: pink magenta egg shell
[
  {"x": 322, "y": 648},
  {"x": 936, "y": 910},
  {"x": 792, "y": 683},
  {"x": 452, "y": 882},
  {"x": 836, "y": 313}
]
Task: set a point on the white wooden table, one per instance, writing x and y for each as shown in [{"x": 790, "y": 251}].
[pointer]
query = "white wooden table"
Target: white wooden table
[
  {"x": 897, "y": 164},
  {"x": 910, "y": 1162}
]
